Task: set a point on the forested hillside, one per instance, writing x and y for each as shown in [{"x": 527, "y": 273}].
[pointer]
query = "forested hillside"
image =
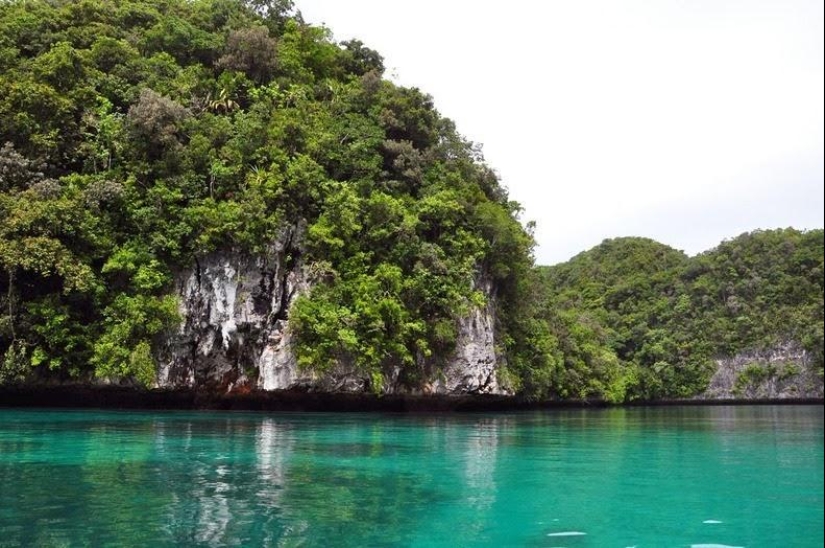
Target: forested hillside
[
  {"x": 636, "y": 319},
  {"x": 137, "y": 136}
]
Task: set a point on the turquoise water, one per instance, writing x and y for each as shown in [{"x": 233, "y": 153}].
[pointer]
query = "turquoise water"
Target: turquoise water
[{"x": 644, "y": 477}]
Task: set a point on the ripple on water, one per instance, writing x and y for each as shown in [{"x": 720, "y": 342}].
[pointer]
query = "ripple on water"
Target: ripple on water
[{"x": 567, "y": 534}]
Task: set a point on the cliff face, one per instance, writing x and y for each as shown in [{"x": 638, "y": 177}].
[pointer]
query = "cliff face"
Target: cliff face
[
  {"x": 472, "y": 368},
  {"x": 235, "y": 335},
  {"x": 235, "y": 332},
  {"x": 784, "y": 372}
]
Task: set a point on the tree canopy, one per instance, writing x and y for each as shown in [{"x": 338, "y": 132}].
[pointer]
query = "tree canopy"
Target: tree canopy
[
  {"x": 657, "y": 319},
  {"x": 138, "y": 134}
]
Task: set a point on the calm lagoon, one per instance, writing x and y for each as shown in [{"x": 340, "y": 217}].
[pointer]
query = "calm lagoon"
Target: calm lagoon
[{"x": 749, "y": 476}]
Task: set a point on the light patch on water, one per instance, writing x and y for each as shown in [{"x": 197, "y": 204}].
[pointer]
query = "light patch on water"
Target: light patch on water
[
  {"x": 714, "y": 546},
  {"x": 712, "y": 521},
  {"x": 567, "y": 534}
]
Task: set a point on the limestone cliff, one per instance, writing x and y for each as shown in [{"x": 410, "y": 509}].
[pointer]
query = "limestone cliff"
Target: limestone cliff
[
  {"x": 783, "y": 372},
  {"x": 236, "y": 334},
  {"x": 473, "y": 367}
]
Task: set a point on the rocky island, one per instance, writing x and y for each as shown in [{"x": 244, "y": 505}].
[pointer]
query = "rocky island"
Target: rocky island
[{"x": 218, "y": 198}]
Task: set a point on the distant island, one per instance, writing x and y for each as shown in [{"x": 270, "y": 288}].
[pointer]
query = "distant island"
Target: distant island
[{"x": 215, "y": 196}]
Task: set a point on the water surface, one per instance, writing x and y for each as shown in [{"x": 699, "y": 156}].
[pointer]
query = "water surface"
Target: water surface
[{"x": 644, "y": 477}]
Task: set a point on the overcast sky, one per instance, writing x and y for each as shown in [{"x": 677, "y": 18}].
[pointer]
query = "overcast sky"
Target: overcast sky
[{"x": 686, "y": 121}]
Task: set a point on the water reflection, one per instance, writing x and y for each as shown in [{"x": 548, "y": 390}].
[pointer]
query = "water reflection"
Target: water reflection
[{"x": 274, "y": 445}]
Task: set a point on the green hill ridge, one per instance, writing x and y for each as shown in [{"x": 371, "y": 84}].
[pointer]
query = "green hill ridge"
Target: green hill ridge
[
  {"x": 139, "y": 135},
  {"x": 635, "y": 319}
]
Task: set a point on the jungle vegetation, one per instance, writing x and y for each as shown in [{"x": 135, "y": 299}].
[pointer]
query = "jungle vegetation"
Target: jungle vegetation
[
  {"x": 636, "y": 319},
  {"x": 137, "y": 135}
]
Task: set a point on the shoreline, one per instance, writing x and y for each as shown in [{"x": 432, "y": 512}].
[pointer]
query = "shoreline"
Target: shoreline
[{"x": 86, "y": 397}]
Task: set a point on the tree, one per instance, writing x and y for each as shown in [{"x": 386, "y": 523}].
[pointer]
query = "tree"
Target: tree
[{"x": 251, "y": 51}]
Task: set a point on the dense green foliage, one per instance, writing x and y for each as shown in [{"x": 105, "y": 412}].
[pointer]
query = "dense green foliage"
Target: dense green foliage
[
  {"x": 137, "y": 134},
  {"x": 636, "y": 319}
]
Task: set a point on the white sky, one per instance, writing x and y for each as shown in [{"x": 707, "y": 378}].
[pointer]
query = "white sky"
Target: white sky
[{"x": 686, "y": 121}]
